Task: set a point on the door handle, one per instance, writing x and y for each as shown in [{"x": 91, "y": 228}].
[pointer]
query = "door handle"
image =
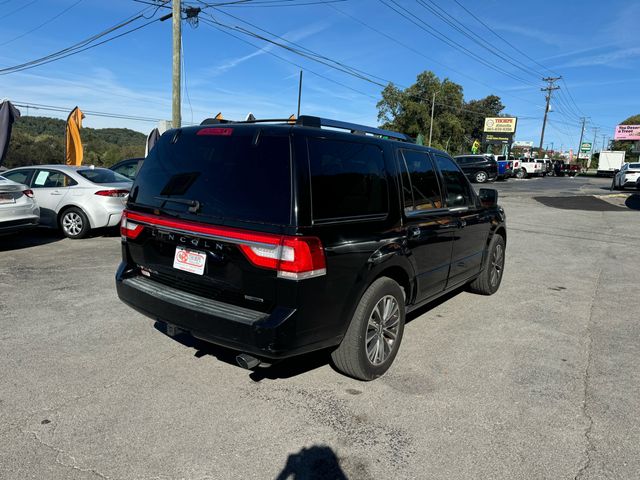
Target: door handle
[{"x": 56, "y": 192}]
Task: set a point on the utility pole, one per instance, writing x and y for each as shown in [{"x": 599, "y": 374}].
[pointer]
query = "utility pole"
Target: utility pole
[
  {"x": 433, "y": 104},
  {"x": 176, "y": 115},
  {"x": 584, "y": 119},
  {"x": 299, "y": 93},
  {"x": 549, "y": 88},
  {"x": 595, "y": 134}
]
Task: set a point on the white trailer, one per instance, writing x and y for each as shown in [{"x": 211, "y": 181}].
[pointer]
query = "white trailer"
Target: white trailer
[{"x": 610, "y": 162}]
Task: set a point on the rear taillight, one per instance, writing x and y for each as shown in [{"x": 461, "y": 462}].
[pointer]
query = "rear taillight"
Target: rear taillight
[
  {"x": 296, "y": 258},
  {"x": 28, "y": 193},
  {"x": 292, "y": 257},
  {"x": 128, "y": 229},
  {"x": 112, "y": 193}
]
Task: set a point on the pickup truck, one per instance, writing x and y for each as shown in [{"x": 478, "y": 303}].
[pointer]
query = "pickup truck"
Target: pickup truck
[
  {"x": 530, "y": 167},
  {"x": 505, "y": 169},
  {"x": 563, "y": 168}
]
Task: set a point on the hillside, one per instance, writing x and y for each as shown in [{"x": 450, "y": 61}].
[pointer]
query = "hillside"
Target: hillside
[{"x": 40, "y": 140}]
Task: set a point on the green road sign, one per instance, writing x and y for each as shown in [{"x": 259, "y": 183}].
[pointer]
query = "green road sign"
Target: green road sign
[{"x": 585, "y": 146}]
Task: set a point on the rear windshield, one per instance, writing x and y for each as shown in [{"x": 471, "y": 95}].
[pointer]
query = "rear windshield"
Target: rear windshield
[
  {"x": 244, "y": 176},
  {"x": 634, "y": 165},
  {"x": 102, "y": 175}
]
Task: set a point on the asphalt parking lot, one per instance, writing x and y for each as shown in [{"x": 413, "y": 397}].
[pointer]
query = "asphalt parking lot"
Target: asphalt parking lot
[{"x": 541, "y": 380}]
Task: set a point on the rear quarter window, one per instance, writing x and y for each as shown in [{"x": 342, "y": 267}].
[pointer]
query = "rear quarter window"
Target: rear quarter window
[
  {"x": 348, "y": 179},
  {"x": 102, "y": 175}
]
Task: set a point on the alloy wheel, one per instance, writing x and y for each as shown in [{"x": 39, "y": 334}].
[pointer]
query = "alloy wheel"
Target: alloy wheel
[
  {"x": 72, "y": 224},
  {"x": 497, "y": 263},
  {"x": 382, "y": 329}
]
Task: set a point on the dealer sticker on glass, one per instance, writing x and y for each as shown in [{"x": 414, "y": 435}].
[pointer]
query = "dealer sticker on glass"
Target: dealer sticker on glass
[{"x": 189, "y": 260}]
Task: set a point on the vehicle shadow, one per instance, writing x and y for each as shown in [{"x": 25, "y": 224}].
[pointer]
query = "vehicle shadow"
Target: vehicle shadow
[
  {"x": 287, "y": 368},
  {"x": 633, "y": 201},
  {"x": 276, "y": 371},
  {"x": 29, "y": 238},
  {"x": 318, "y": 462},
  {"x": 431, "y": 305}
]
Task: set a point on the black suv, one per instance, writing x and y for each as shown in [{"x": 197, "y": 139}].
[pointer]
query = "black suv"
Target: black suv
[
  {"x": 281, "y": 239},
  {"x": 478, "y": 168}
]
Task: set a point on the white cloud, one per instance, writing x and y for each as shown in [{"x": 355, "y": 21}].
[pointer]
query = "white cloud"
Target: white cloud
[{"x": 611, "y": 58}]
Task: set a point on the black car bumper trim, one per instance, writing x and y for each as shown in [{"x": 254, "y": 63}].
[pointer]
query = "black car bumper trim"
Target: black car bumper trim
[{"x": 195, "y": 302}]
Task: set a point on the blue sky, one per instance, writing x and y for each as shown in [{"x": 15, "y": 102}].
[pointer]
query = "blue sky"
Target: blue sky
[{"x": 593, "y": 45}]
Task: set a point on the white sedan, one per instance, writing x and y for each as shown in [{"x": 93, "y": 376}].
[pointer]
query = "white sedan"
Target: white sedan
[
  {"x": 628, "y": 176},
  {"x": 18, "y": 208},
  {"x": 75, "y": 199}
]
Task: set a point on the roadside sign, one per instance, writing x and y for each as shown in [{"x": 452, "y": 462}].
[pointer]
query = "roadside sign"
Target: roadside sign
[
  {"x": 497, "y": 138},
  {"x": 500, "y": 125},
  {"x": 522, "y": 143},
  {"x": 585, "y": 147},
  {"x": 627, "y": 132}
]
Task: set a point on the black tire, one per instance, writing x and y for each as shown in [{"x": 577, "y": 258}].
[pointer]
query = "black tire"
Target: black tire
[
  {"x": 486, "y": 283},
  {"x": 481, "y": 177},
  {"x": 74, "y": 223},
  {"x": 521, "y": 174},
  {"x": 352, "y": 357}
]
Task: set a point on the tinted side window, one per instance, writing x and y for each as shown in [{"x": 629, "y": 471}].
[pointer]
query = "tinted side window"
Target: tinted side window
[
  {"x": 456, "y": 185},
  {"x": 348, "y": 179},
  {"x": 461, "y": 160},
  {"x": 423, "y": 192},
  {"x": 19, "y": 176},
  {"x": 129, "y": 170}
]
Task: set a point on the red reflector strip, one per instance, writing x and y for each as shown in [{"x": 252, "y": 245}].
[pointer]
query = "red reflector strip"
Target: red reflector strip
[
  {"x": 293, "y": 257},
  {"x": 215, "y": 131}
]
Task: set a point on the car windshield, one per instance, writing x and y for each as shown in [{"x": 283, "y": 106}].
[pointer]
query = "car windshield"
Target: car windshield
[{"x": 102, "y": 175}]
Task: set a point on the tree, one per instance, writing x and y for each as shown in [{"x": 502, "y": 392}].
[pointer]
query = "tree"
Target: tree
[
  {"x": 40, "y": 140},
  {"x": 456, "y": 123}
]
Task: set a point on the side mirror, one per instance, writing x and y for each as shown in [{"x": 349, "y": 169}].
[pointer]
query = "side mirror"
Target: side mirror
[{"x": 488, "y": 197}]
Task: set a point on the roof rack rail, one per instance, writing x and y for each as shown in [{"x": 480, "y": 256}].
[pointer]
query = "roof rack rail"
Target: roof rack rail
[
  {"x": 214, "y": 121},
  {"x": 310, "y": 121}
]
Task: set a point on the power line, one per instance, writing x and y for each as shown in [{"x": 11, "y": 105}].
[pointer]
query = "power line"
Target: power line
[
  {"x": 81, "y": 46},
  {"x": 423, "y": 25},
  {"x": 18, "y": 9},
  {"x": 309, "y": 54},
  {"x": 354, "y": 70},
  {"x": 461, "y": 28},
  {"x": 507, "y": 42},
  {"x": 224, "y": 29},
  {"x": 42, "y": 24},
  {"x": 53, "y": 108},
  {"x": 504, "y": 40}
]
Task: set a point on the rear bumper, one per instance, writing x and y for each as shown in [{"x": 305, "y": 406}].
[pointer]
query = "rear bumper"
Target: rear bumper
[{"x": 266, "y": 335}]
